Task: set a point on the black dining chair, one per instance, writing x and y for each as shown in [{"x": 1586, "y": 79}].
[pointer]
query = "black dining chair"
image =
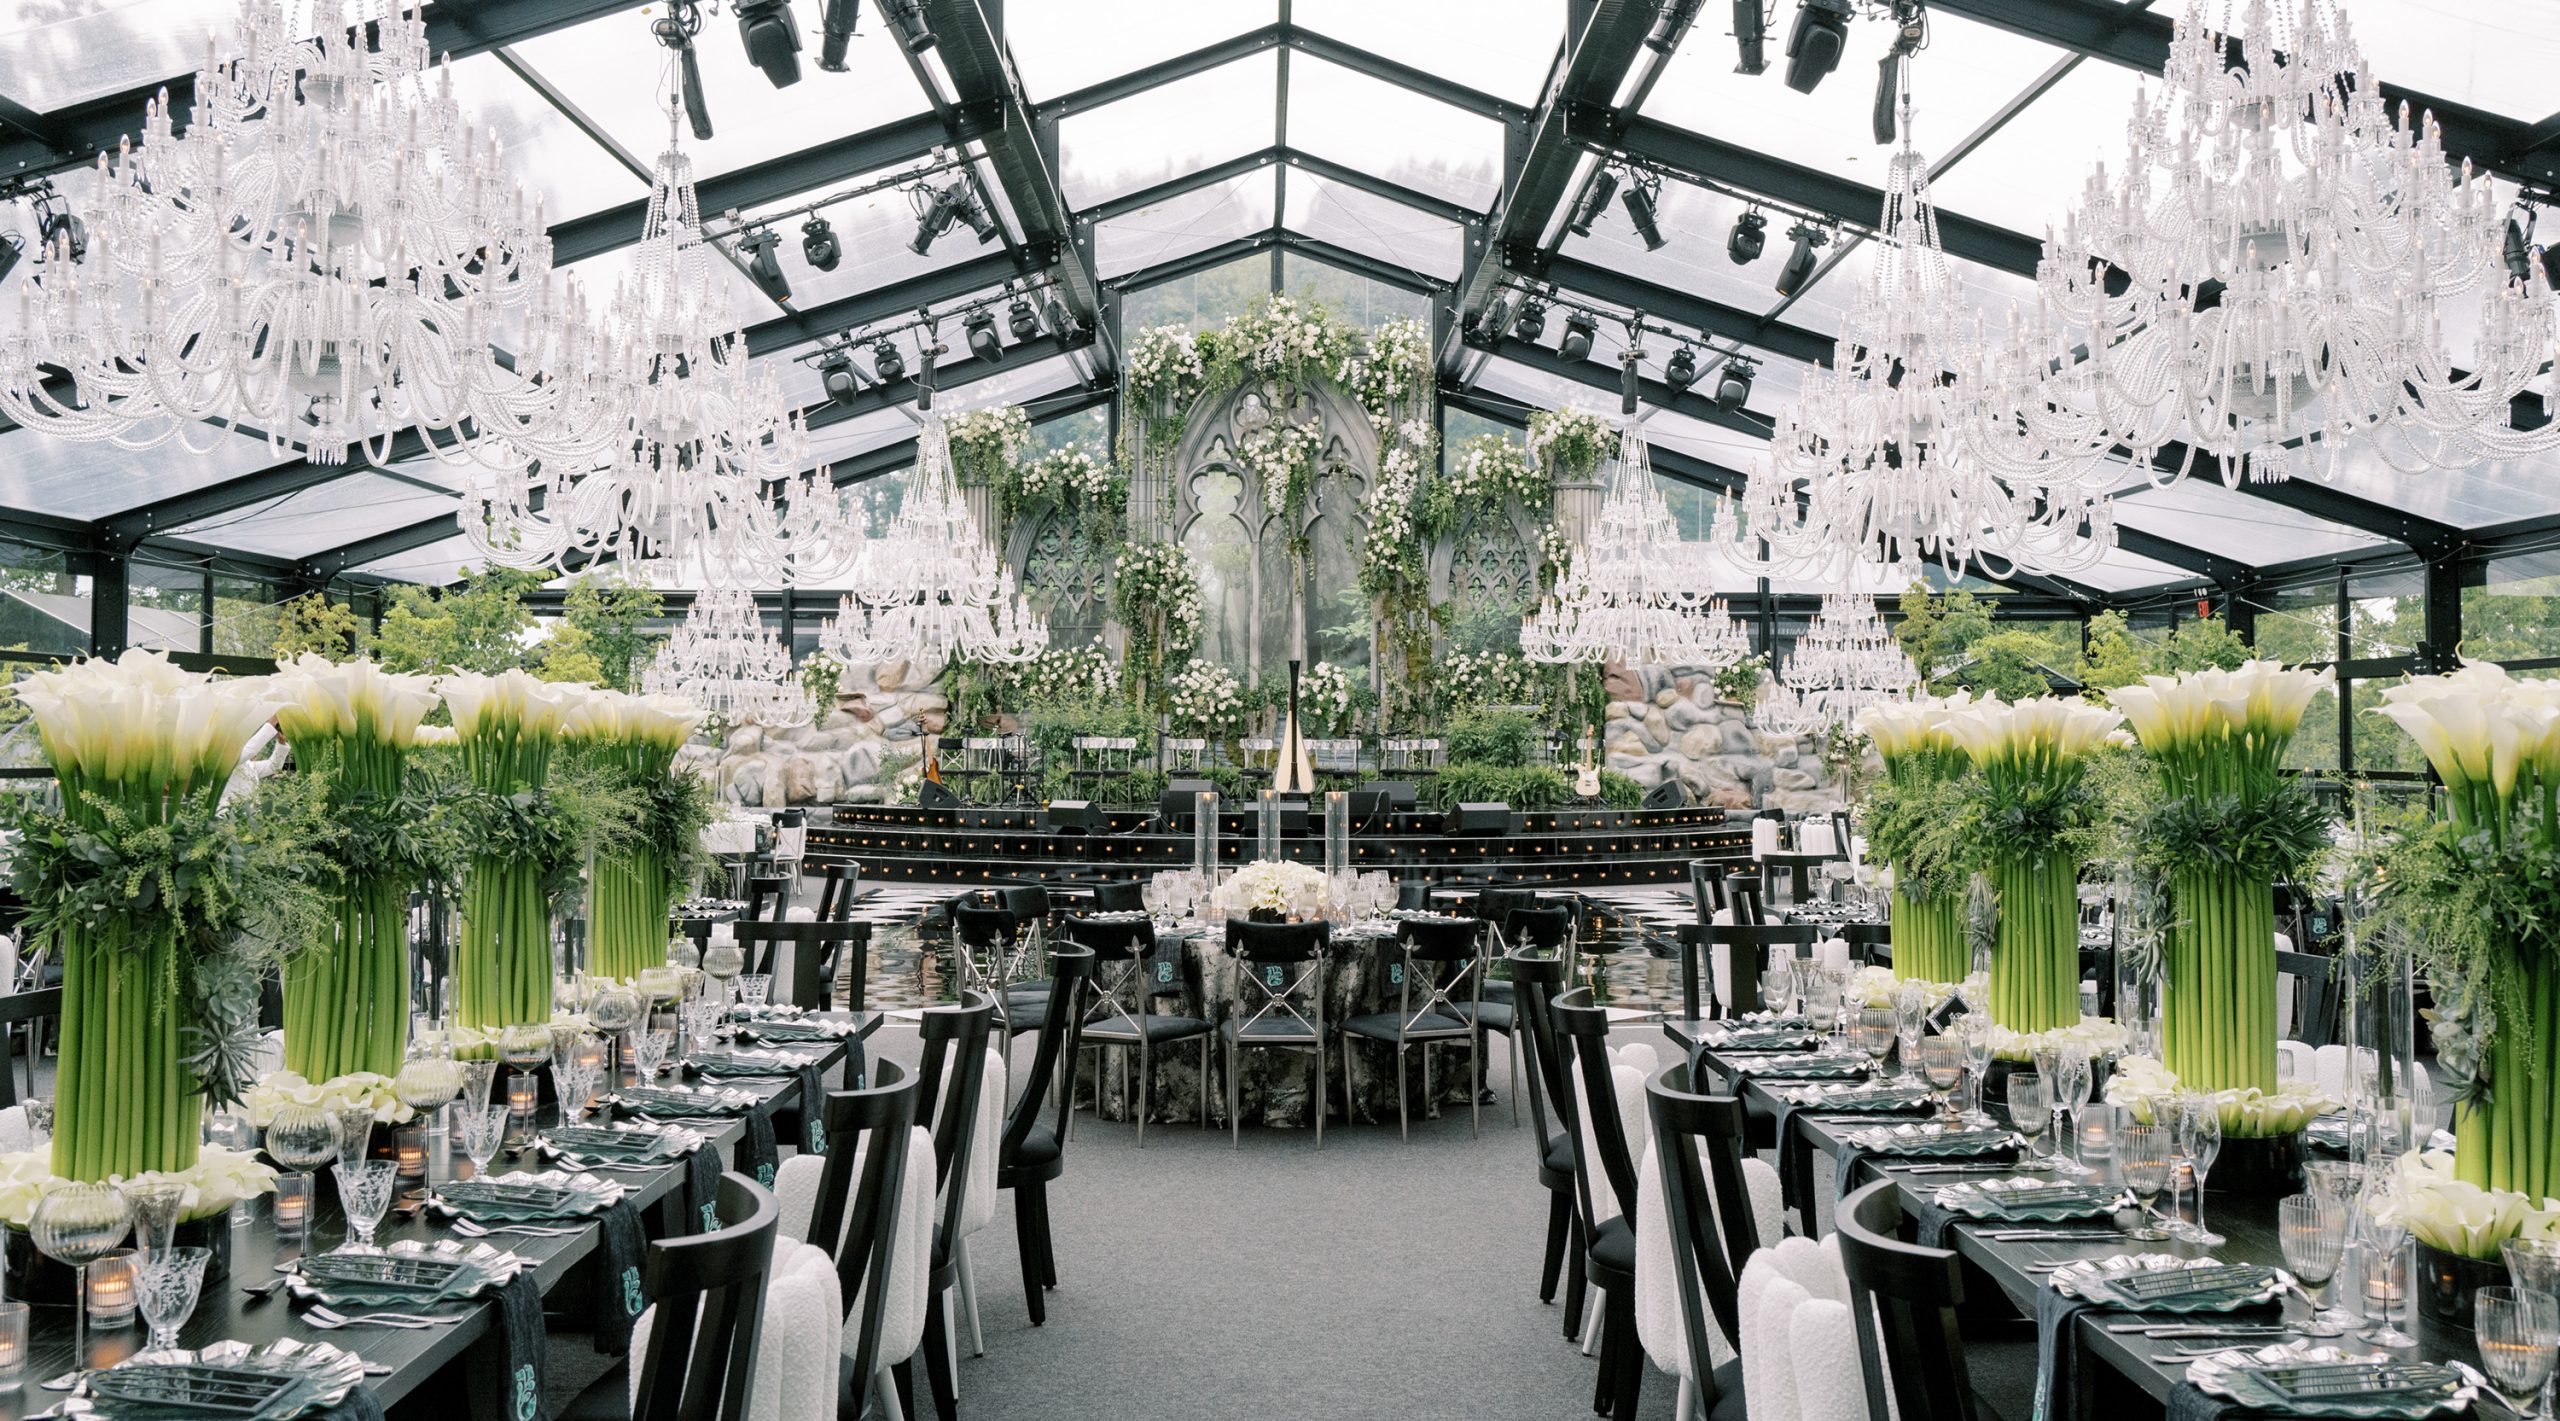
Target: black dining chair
[
  {"x": 1119, "y": 895},
  {"x": 1870, "y": 944},
  {"x": 36, "y": 1011},
  {"x": 820, "y": 952},
  {"x": 1701, "y": 1142},
  {"x": 1548, "y": 930},
  {"x": 1706, "y": 887},
  {"x": 707, "y": 1291},
  {"x": 1536, "y": 982},
  {"x": 1126, "y": 964},
  {"x": 1745, "y": 894},
  {"x": 1604, "y": 1172},
  {"x": 1444, "y": 957},
  {"x": 1029, "y": 1154},
  {"x": 855, "y": 1217},
  {"x": 952, "y": 1064},
  {"x": 1277, "y": 964},
  {"x": 1743, "y": 952},
  {"x": 1902, "y": 1301},
  {"x": 840, "y": 887},
  {"x": 767, "y": 894},
  {"x": 994, "y": 950},
  {"x": 2315, "y": 998}
]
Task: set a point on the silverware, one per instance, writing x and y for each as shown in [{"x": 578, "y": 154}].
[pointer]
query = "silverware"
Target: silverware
[
  {"x": 1984, "y": 1167},
  {"x": 2197, "y": 1329},
  {"x": 329, "y": 1320},
  {"x": 469, "y": 1228},
  {"x": 2047, "y": 1235},
  {"x": 263, "y": 1291}
]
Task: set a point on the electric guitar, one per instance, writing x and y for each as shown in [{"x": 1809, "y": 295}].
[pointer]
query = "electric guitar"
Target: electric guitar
[{"x": 1586, "y": 776}]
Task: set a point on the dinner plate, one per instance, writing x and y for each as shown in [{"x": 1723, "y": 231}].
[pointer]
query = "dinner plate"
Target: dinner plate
[
  {"x": 1931, "y": 1140},
  {"x": 748, "y": 1063},
  {"x": 682, "y": 1102},
  {"x": 2122, "y": 1281},
  {"x": 1980, "y": 1199},
  {"x": 1860, "y": 1099},
  {"x": 523, "y": 1198},
  {"x": 1805, "y": 1068},
  {"x": 638, "y": 1142},
  {"x": 2310, "y": 1379},
  {"x": 409, "y": 1273},
  {"x": 275, "y": 1382}
]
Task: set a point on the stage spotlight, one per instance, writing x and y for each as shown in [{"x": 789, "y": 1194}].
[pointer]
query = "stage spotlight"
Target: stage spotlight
[
  {"x": 1813, "y": 47},
  {"x": 1630, "y": 379},
  {"x": 836, "y": 377},
  {"x": 1681, "y": 370},
  {"x": 1595, "y": 200},
  {"x": 818, "y": 243},
  {"x": 1578, "y": 332},
  {"x": 908, "y": 16},
  {"x": 887, "y": 362},
  {"x": 1911, "y": 31},
  {"x": 1750, "y": 237},
  {"x": 772, "y": 39},
  {"x": 975, "y": 213},
  {"x": 1672, "y": 25},
  {"x": 1733, "y": 384},
  {"x": 1751, "y": 37},
  {"x": 981, "y": 328},
  {"x": 1531, "y": 323},
  {"x": 1799, "y": 267},
  {"x": 764, "y": 264},
  {"x": 837, "y": 18},
  {"x": 936, "y": 209},
  {"x": 1643, "y": 203},
  {"x": 1497, "y": 315},
  {"x": 676, "y": 30},
  {"x": 1024, "y": 321},
  {"x": 2518, "y": 250}
]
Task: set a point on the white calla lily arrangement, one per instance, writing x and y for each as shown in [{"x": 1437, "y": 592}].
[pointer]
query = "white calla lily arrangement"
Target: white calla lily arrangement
[
  {"x": 632, "y": 741},
  {"x": 1911, "y": 824},
  {"x": 2460, "y": 1217},
  {"x": 2141, "y": 1083}
]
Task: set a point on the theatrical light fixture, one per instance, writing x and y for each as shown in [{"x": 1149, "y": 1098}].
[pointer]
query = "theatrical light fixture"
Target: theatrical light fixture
[
  {"x": 1497, "y": 316},
  {"x": 1911, "y": 31},
  {"x": 1532, "y": 320},
  {"x": 1672, "y": 25},
  {"x": 908, "y": 16},
  {"x": 838, "y": 19},
  {"x": 676, "y": 30},
  {"x": 835, "y": 375},
  {"x": 1821, "y": 32},
  {"x": 772, "y": 39},
  {"x": 1595, "y": 200},
  {"x": 1750, "y": 36},
  {"x": 981, "y": 329},
  {"x": 2517, "y": 250},
  {"x": 1630, "y": 379},
  {"x": 1681, "y": 371},
  {"x": 1643, "y": 203},
  {"x": 819, "y": 245},
  {"x": 1750, "y": 237},
  {"x": 936, "y": 209},
  {"x": 1579, "y": 329},
  {"x": 1799, "y": 267},
  {"x": 764, "y": 264},
  {"x": 1733, "y": 384},
  {"x": 1024, "y": 322},
  {"x": 887, "y": 362}
]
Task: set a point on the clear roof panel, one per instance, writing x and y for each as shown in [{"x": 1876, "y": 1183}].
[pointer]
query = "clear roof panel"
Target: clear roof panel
[
  {"x": 867, "y": 431},
  {"x": 2213, "y": 519},
  {"x": 1393, "y": 133},
  {"x": 875, "y": 237},
  {"x": 1058, "y": 47},
  {"x": 1698, "y": 221},
  {"x": 615, "y": 71},
  {"x": 2497, "y": 57},
  {"x": 41, "y": 473},
  {"x": 1503, "y": 47},
  {"x": 1825, "y": 303},
  {"x": 747, "y": 302},
  {"x": 1178, "y": 226},
  {"x": 1965, "y": 75},
  {"x": 2470, "y": 498},
  {"x": 321, "y": 517},
  {"x": 1169, "y": 130},
  {"x": 2121, "y": 571},
  {"x": 57, "y": 52},
  {"x": 572, "y": 173},
  {"x": 1373, "y": 226},
  {"x": 2026, "y": 175},
  {"x": 435, "y": 564}
]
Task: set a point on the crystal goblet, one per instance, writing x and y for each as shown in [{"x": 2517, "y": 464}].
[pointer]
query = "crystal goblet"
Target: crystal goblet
[
  {"x": 155, "y": 1212},
  {"x": 78, "y": 1224},
  {"x": 2519, "y": 1335},
  {"x": 166, "y": 1286},
  {"x": 364, "y": 1193},
  {"x": 479, "y": 1129}
]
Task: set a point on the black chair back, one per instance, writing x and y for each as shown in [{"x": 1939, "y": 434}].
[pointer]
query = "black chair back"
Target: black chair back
[
  {"x": 1903, "y": 1300},
  {"x": 1582, "y": 1031},
  {"x": 1743, "y": 893},
  {"x": 1070, "y": 976},
  {"x": 1028, "y": 902},
  {"x": 1699, "y": 1141},
  {"x": 1496, "y": 905},
  {"x": 1745, "y": 950},
  {"x": 1413, "y": 895},
  {"x": 857, "y": 1219},
  {"x": 982, "y": 924},
  {"x": 953, "y": 1062},
  {"x": 1111, "y": 940},
  {"x": 1119, "y": 895},
  {"x": 820, "y": 950},
  {"x": 767, "y": 894},
  {"x": 1706, "y": 887},
  {"x": 1266, "y": 990},
  {"x": 1535, "y": 983},
  {"x": 2315, "y": 997},
  {"x": 1440, "y": 939},
  {"x": 1447, "y": 955},
  {"x": 1865, "y": 940},
  {"x": 709, "y": 1293},
  {"x": 841, "y": 888},
  {"x": 1545, "y": 928},
  {"x": 31, "y": 1010}
]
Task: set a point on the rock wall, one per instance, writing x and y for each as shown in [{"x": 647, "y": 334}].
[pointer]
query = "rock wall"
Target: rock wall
[
  {"x": 1666, "y": 723},
  {"x": 878, "y": 721}
]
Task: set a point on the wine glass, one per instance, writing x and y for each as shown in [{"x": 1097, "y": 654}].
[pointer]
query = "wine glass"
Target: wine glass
[
  {"x": 1942, "y": 1062},
  {"x": 1976, "y": 1034},
  {"x": 2199, "y": 1140},
  {"x": 155, "y": 1212},
  {"x": 1821, "y": 1007},
  {"x": 525, "y": 1047},
  {"x": 2070, "y": 1092},
  {"x": 617, "y": 1008},
  {"x": 1910, "y": 1018},
  {"x": 1875, "y": 1033},
  {"x": 574, "y": 1081},
  {"x": 1775, "y": 986},
  {"x": 723, "y": 961},
  {"x": 479, "y": 1129},
  {"x": 364, "y": 1193},
  {"x": 2142, "y": 1156},
  {"x": 649, "y": 1054},
  {"x": 354, "y": 1124},
  {"x": 479, "y": 1077},
  {"x": 754, "y": 988},
  {"x": 2386, "y": 1238},
  {"x": 2518, "y": 1331},
  {"x": 2535, "y": 1263},
  {"x": 76, "y": 1225},
  {"x": 166, "y": 1285},
  {"x": 302, "y": 1138},
  {"x": 426, "y": 1084},
  {"x": 2027, "y": 1110},
  {"x": 2314, "y": 1234}
]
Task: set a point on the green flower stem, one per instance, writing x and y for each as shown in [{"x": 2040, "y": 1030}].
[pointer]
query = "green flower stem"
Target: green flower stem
[
  {"x": 502, "y": 965},
  {"x": 346, "y": 1002},
  {"x": 2510, "y": 1139},
  {"x": 2219, "y": 967},
  {"x": 2035, "y": 960},
  {"x": 1929, "y": 938},
  {"x": 632, "y": 893}
]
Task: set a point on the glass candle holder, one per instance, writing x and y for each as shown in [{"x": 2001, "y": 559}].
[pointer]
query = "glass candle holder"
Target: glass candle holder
[
  {"x": 411, "y": 1141},
  {"x": 293, "y": 1204},
  {"x": 111, "y": 1289},
  {"x": 13, "y": 1345},
  {"x": 523, "y": 1093}
]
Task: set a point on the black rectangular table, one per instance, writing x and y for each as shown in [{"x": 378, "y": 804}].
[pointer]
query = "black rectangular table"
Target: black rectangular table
[{"x": 227, "y": 1311}]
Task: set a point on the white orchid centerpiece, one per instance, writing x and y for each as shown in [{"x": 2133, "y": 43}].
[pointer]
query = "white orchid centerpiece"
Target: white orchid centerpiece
[
  {"x": 1275, "y": 886},
  {"x": 1907, "y": 816}
]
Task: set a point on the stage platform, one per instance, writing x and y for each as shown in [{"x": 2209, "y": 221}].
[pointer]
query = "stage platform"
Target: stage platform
[{"x": 1581, "y": 848}]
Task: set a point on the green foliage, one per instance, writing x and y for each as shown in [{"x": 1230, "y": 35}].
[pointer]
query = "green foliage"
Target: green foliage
[
  {"x": 1492, "y": 738},
  {"x": 2012, "y": 663},
  {"x": 580, "y": 809},
  {"x": 1922, "y": 825},
  {"x": 603, "y": 637},
  {"x": 1520, "y": 786},
  {"x": 1619, "y": 791},
  {"x": 1739, "y": 681},
  {"x": 2113, "y": 656},
  {"x": 475, "y": 626},
  {"x": 1938, "y": 629},
  {"x": 2271, "y": 835},
  {"x": 314, "y": 624},
  {"x": 821, "y": 677}
]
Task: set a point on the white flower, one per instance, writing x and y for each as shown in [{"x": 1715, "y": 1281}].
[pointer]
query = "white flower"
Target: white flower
[
  {"x": 368, "y": 1089},
  {"x": 219, "y": 1179},
  {"x": 2463, "y": 1218},
  {"x": 2140, "y": 1084},
  {"x": 322, "y": 699}
]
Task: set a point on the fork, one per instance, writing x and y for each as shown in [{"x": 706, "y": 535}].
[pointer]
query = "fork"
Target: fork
[
  {"x": 329, "y": 1320},
  {"x": 471, "y": 1228}
]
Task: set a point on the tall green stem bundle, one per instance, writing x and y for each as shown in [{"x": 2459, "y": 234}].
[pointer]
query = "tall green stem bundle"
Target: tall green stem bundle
[
  {"x": 1915, "y": 822},
  {"x": 508, "y": 727},
  {"x": 1928, "y": 937},
  {"x": 633, "y": 887},
  {"x": 2035, "y": 961},
  {"x": 2226, "y": 823}
]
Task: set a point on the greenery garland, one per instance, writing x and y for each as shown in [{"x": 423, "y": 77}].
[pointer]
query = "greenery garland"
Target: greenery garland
[
  {"x": 1487, "y": 471},
  {"x": 1155, "y": 594},
  {"x": 987, "y": 444},
  {"x": 1571, "y": 443}
]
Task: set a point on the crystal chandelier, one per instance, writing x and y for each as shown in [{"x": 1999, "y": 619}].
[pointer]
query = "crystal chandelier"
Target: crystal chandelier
[
  {"x": 929, "y": 589},
  {"x": 329, "y": 251},
  {"x": 2282, "y": 263},
  {"x": 1892, "y": 455},
  {"x": 723, "y": 658},
  {"x": 705, "y": 459},
  {"x": 1634, "y": 592},
  {"x": 1846, "y": 660}
]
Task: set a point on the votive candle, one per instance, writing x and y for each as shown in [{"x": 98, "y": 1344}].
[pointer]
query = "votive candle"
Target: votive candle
[
  {"x": 13, "y": 1345},
  {"x": 522, "y": 1094},
  {"x": 111, "y": 1289},
  {"x": 293, "y": 1204},
  {"x": 412, "y": 1144}
]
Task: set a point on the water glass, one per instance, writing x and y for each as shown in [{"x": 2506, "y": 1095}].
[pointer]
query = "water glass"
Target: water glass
[
  {"x": 1874, "y": 1033},
  {"x": 2027, "y": 1108},
  {"x": 364, "y": 1193},
  {"x": 1776, "y": 985},
  {"x": 1942, "y": 1061},
  {"x": 649, "y": 1053},
  {"x": 355, "y": 1130},
  {"x": 479, "y": 1129},
  {"x": 155, "y": 1212},
  {"x": 2314, "y": 1234},
  {"x": 2386, "y": 1241},
  {"x": 2199, "y": 1140},
  {"x": 427, "y": 1083},
  {"x": 2142, "y": 1157},
  {"x": 13, "y": 1345},
  {"x": 2535, "y": 1263},
  {"x": 755, "y": 988},
  {"x": 479, "y": 1078},
  {"x": 166, "y": 1285},
  {"x": 2519, "y": 1333},
  {"x": 76, "y": 1225},
  {"x": 1975, "y": 1033}
]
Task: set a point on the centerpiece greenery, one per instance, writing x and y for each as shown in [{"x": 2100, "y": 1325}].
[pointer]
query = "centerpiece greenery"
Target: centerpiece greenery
[
  {"x": 2225, "y": 823},
  {"x": 2034, "y": 809},
  {"x": 352, "y": 727},
  {"x": 632, "y": 741},
  {"x": 1915, "y": 824},
  {"x": 525, "y": 838}
]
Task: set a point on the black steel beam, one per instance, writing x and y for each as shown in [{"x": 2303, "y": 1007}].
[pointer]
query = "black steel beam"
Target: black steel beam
[
  {"x": 863, "y": 308},
  {"x": 1605, "y": 377},
  {"x": 1163, "y": 71},
  {"x": 1713, "y": 318},
  {"x": 1348, "y": 176},
  {"x": 1176, "y": 268},
  {"x": 1359, "y": 265},
  {"x": 321, "y": 567},
  {"x": 2220, "y": 570},
  {"x": 1405, "y": 76},
  {"x": 890, "y": 458}
]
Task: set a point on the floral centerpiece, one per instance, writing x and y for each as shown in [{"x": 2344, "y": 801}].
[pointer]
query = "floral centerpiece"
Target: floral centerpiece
[
  {"x": 2091, "y": 1036},
  {"x": 2141, "y": 1083},
  {"x": 2447, "y": 1212},
  {"x": 346, "y": 1001},
  {"x": 1271, "y": 886},
  {"x": 1913, "y": 825},
  {"x": 1327, "y": 697},
  {"x": 2228, "y": 821},
  {"x": 218, "y": 1179},
  {"x": 633, "y": 741},
  {"x": 1207, "y": 699},
  {"x": 2031, "y": 805},
  {"x": 369, "y": 1090},
  {"x": 509, "y": 725},
  {"x": 1570, "y": 441},
  {"x": 1156, "y": 595},
  {"x": 1879, "y": 987},
  {"x": 2476, "y": 896},
  {"x": 163, "y": 908}
]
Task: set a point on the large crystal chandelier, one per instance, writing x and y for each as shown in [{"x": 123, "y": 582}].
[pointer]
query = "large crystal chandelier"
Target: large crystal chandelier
[
  {"x": 1846, "y": 660},
  {"x": 705, "y": 458},
  {"x": 328, "y": 252},
  {"x": 1889, "y": 454},
  {"x": 2283, "y": 263},
  {"x": 723, "y": 658},
  {"x": 1634, "y": 592},
  {"x": 929, "y": 589}
]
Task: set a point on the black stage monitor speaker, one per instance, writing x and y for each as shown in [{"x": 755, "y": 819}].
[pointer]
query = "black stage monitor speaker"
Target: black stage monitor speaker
[
  {"x": 1670, "y": 794},
  {"x": 1490, "y": 819},
  {"x": 1368, "y": 810},
  {"x": 1293, "y": 816},
  {"x": 1076, "y": 816},
  {"x": 931, "y": 794},
  {"x": 1402, "y": 795},
  {"x": 1174, "y": 806}
]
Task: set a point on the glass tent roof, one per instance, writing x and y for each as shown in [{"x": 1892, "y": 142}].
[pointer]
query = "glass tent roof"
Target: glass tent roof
[{"x": 1186, "y": 132}]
